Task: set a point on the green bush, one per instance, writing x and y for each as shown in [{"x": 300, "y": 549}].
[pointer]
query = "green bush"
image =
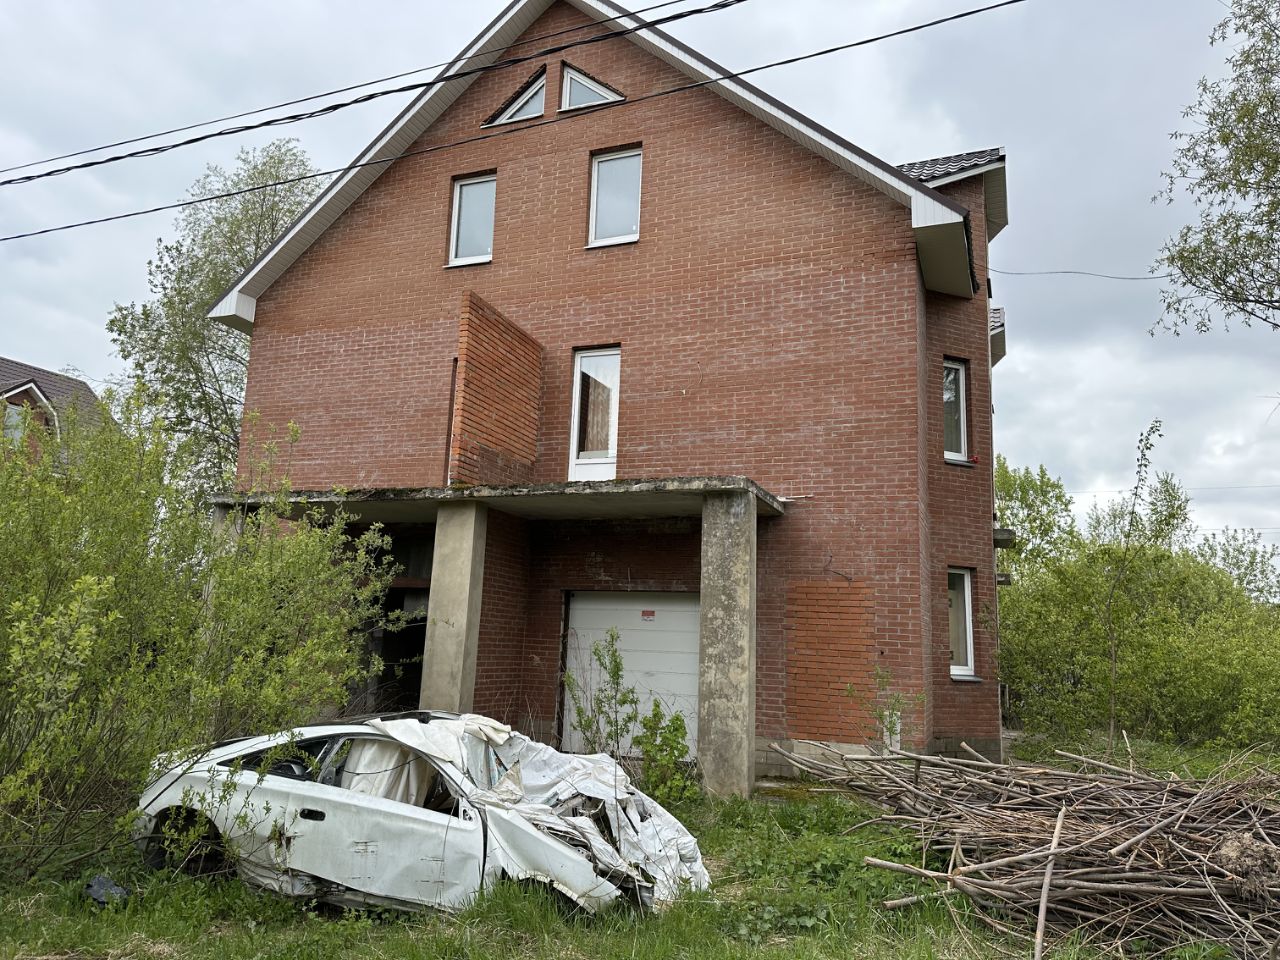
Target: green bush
[
  {"x": 132, "y": 624},
  {"x": 605, "y": 709},
  {"x": 1197, "y": 658},
  {"x": 665, "y": 771}
]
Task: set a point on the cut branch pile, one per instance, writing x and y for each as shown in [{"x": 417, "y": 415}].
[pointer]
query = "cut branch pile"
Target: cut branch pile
[{"x": 1110, "y": 854}]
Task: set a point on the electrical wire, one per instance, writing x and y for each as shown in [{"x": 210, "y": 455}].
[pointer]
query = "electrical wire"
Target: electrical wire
[
  {"x": 327, "y": 93},
  {"x": 370, "y": 97},
  {"x": 698, "y": 84},
  {"x": 1245, "y": 486},
  {"x": 1074, "y": 273}
]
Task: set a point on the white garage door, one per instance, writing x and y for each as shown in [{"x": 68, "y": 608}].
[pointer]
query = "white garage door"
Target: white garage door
[{"x": 658, "y": 640}]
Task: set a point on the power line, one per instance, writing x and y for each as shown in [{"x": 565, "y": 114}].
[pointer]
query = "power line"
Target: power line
[
  {"x": 369, "y": 97},
  {"x": 521, "y": 129},
  {"x": 1074, "y": 273},
  {"x": 327, "y": 93},
  {"x": 1243, "y": 486}
]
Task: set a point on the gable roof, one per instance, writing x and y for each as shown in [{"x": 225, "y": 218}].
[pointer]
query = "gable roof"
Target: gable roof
[
  {"x": 989, "y": 163},
  {"x": 939, "y": 223},
  {"x": 58, "y": 389}
]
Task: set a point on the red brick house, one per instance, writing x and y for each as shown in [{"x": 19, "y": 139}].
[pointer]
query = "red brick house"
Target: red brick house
[{"x": 687, "y": 364}]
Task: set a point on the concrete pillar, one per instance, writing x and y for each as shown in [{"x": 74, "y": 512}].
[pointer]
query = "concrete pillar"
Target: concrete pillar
[
  {"x": 453, "y": 608},
  {"x": 727, "y": 654}
]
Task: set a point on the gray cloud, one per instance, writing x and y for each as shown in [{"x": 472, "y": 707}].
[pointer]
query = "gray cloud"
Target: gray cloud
[{"x": 1082, "y": 95}]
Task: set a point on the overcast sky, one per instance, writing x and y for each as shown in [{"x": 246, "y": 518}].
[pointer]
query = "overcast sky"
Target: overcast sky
[{"x": 1082, "y": 94}]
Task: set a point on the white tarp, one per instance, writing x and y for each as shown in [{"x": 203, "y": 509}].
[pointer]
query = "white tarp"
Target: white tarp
[
  {"x": 380, "y": 769},
  {"x": 564, "y": 796}
]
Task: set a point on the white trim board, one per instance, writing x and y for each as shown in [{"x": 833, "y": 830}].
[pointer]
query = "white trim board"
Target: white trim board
[
  {"x": 44, "y": 401},
  {"x": 940, "y": 223}
]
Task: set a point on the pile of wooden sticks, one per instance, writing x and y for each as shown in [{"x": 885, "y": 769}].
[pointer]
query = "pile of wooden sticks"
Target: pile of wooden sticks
[{"x": 1104, "y": 853}]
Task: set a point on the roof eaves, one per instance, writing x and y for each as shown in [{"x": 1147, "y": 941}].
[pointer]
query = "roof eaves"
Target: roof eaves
[
  {"x": 237, "y": 304},
  {"x": 929, "y": 209}
]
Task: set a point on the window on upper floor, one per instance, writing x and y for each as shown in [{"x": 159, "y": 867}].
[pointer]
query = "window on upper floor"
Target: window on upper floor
[
  {"x": 579, "y": 90},
  {"x": 955, "y": 426},
  {"x": 12, "y": 422},
  {"x": 960, "y": 602},
  {"x": 527, "y": 104},
  {"x": 615, "y": 198},
  {"x": 593, "y": 434},
  {"x": 471, "y": 232}
]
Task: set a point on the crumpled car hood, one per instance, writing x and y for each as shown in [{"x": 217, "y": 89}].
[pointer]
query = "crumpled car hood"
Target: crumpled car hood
[{"x": 574, "y": 821}]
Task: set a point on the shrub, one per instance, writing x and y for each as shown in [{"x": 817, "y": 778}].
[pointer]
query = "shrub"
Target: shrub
[
  {"x": 131, "y": 624},
  {"x": 665, "y": 771},
  {"x": 605, "y": 709}
]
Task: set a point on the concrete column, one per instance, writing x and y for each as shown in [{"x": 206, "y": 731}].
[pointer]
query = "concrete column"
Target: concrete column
[
  {"x": 453, "y": 608},
  {"x": 727, "y": 654}
]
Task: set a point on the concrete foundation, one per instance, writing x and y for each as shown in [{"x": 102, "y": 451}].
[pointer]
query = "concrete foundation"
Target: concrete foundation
[
  {"x": 727, "y": 657},
  {"x": 453, "y": 608}
]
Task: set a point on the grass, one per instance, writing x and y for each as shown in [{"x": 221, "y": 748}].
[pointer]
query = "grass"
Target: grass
[{"x": 788, "y": 881}]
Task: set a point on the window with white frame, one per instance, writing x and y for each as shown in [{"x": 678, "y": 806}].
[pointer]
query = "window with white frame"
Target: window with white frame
[
  {"x": 471, "y": 232},
  {"x": 12, "y": 422},
  {"x": 615, "y": 198},
  {"x": 960, "y": 602},
  {"x": 529, "y": 104},
  {"x": 593, "y": 436},
  {"x": 955, "y": 428},
  {"x": 579, "y": 90}
]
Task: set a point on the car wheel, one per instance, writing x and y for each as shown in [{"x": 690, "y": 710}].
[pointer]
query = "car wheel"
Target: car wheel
[{"x": 186, "y": 840}]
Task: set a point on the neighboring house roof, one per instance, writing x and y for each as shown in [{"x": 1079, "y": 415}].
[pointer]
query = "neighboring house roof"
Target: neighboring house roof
[
  {"x": 989, "y": 163},
  {"x": 995, "y": 321},
  {"x": 60, "y": 390},
  {"x": 942, "y": 239}
]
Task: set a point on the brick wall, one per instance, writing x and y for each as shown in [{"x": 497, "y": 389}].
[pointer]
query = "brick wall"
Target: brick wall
[
  {"x": 770, "y": 320},
  {"x": 504, "y": 614},
  {"x": 496, "y": 398},
  {"x": 830, "y": 636},
  {"x": 961, "y": 506}
]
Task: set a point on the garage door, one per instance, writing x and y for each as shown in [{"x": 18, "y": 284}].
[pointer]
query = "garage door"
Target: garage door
[{"x": 658, "y": 640}]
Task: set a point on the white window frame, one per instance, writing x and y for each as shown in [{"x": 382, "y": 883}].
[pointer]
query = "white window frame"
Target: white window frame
[
  {"x": 595, "y": 182},
  {"x": 962, "y": 395},
  {"x": 506, "y": 115},
  {"x": 454, "y": 259},
  {"x": 969, "y": 670},
  {"x": 609, "y": 96},
  {"x": 594, "y": 468},
  {"x": 13, "y": 422}
]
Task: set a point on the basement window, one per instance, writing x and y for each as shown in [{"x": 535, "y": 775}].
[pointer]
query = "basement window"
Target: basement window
[
  {"x": 593, "y": 448},
  {"x": 471, "y": 233},
  {"x": 960, "y": 602},
  {"x": 955, "y": 439},
  {"x": 615, "y": 198}
]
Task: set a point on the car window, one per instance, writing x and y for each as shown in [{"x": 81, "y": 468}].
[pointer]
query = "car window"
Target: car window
[
  {"x": 383, "y": 768},
  {"x": 296, "y": 759}
]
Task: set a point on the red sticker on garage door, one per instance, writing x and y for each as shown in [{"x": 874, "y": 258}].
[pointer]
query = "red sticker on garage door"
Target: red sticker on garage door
[{"x": 647, "y": 615}]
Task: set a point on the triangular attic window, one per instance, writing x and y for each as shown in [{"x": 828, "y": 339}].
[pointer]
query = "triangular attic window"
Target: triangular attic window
[
  {"x": 579, "y": 90},
  {"x": 526, "y": 105}
]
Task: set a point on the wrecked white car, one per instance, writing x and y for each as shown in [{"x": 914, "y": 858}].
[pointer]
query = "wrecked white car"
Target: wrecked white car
[{"x": 423, "y": 809}]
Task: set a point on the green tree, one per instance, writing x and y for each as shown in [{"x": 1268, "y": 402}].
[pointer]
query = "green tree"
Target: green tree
[
  {"x": 195, "y": 369},
  {"x": 1037, "y": 507},
  {"x": 1137, "y": 625},
  {"x": 1226, "y": 265},
  {"x": 132, "y": 625}
]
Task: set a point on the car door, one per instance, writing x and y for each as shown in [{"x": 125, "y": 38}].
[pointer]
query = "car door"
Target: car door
[{"x": 387, "y": 848}]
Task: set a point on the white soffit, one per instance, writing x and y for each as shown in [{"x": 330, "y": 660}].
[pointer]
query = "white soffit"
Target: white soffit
[
  {"x": 930, "y": 210},
  {"x": 995, "y": 192}
]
